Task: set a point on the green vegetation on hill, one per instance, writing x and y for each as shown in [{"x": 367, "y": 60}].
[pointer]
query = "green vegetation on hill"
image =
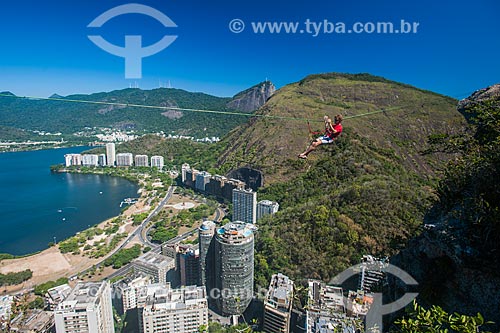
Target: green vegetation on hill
[
  {"x": 469, "y": 192},
  {"x": 436, "y": 320},
  {"x": 352, "y": 200},
  {"x": 412, "y": 116},
  {"x": 70, "y": 117},
  {"x": 202, "y": 156}
]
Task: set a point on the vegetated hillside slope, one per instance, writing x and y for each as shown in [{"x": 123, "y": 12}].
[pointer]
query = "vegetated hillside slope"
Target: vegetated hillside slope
[
  {"x": 412, "y": 116},
  {"x": 352, "y": 199},
  {"x": 70, "y": 117},
  {"x": 202, "y": 156},
  {"x": 456, "y": 260}
]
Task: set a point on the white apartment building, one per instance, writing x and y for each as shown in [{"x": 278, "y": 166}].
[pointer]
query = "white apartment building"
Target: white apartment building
[
  {"x": 173, "y": 310},
  {"x": 124, "y": 159},
  {"x": 131, "y": 290},
  {"x": 157, "y": 161},
  {"x": 90, "y": 160},
  {"x": 73, "y": 159},
  {"x": 86, "y": 309},
  {"x": 141, "y": 160},
  {"x": 266, "y": 207},
  {"x": 110, "y": 154}
]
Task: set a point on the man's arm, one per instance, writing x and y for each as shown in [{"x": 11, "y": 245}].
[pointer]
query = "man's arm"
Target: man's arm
[{"x": 329, "y": 125}]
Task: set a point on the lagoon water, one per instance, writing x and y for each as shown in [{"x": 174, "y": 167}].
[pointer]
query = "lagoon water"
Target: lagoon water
[{"x": 37, "y": 206}]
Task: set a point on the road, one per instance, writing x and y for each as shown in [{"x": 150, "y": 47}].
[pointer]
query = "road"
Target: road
[
  {"x": 141, "y": 231},
  {"x": 137, "y": 232},
  {"x": 219, "y": 215}
]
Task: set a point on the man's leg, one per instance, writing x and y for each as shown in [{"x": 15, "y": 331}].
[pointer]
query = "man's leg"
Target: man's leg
[{"x": 312, "y": 147}]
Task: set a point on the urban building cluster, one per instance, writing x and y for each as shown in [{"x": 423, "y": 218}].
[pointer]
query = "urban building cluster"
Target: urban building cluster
[
  {"x": 179, "y": 289},
  {"x": 245, "y": 205},
  {"x": 111, "y": 159},
  {"x": 330, "y": 309}
]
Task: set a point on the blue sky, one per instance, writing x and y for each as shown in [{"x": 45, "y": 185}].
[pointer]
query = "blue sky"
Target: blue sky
[{"x": 45, "y": 48}]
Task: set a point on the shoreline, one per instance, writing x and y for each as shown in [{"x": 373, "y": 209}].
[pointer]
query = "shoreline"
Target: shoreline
[
  {"x": 50, "y": 264},
  {"x": 27, "y": 147},
  {"x": 5, "y": 256},
  {"x": 140, "y": 191}
]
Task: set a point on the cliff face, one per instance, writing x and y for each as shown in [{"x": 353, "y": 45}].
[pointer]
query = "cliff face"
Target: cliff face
[
  {"x": 253, "y": 98},
  {"x": 455, "y": 260}
]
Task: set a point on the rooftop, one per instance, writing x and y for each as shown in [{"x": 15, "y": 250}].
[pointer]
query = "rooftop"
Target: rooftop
[
  {"x": 163, "y": 297},
  {"x": 280, "y": 292},
  {"x": 155, "y": 260},
  {"x": 83, "y": 295},
  {"x": 236, "y": 231}
]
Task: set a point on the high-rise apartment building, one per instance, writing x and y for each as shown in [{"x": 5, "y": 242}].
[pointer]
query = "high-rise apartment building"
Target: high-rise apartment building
[
  {"x": 141, "y": 160},
  {"x": 101, "y": 159},
  {"x": 73, "y": 159},
  {"x": 173, "y": 310},
  {"x": 189, "y": 266},
  {"x": 155, "y": 265},
  {"x": 234, "y": 260},
  {"x": 124, "y": 159},
  {"x": 90, "y": 160},
  {"x": 130, "y": 290},
  {"x": 245, "y": 206},
  {"x": 266, "y": 207},
  {"x": 202, "y": 179},
  {"x": 86, "y": 309},
  {"x": 110, "y": 154},
  {"x": 158, "y": 162},
  {"x": 206, "y": 234},
  {"x": 278, "y": 304}
]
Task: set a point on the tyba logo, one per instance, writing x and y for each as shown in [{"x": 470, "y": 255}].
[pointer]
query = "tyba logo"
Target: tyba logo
[
  {"x": 133, "y": 52},
  {"x": 378, "y": 309}
]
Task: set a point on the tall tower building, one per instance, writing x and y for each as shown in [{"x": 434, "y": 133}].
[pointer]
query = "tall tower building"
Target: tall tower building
[
  {"x": 278, "y": 304},
  {"x": 266, "y": 207},
  {"x": 110, "y": 154},
  {"x": 245, "y": 205},
  {"x": 86, "y": 309},
  {"x": 234, "y": 259},
  {"x": 205, "y": 241}
]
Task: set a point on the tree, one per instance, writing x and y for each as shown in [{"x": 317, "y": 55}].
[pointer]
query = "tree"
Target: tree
[{"x": 436, "y": 320}]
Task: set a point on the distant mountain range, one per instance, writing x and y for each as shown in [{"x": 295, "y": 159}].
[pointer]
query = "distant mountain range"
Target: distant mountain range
[{"x": 69, "y": 117}]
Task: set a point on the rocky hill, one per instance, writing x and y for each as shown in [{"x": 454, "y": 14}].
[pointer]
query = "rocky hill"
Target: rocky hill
[
  {"x": 253, "y": 98},
  {"x": 412, "y": 116},
  {"x": 456, "y": 258}
]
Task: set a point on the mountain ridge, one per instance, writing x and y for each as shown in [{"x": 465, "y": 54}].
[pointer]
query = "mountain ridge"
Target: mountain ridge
[
  {"x": 56, "y": 115},
  {"x": 412, "y": 116}
]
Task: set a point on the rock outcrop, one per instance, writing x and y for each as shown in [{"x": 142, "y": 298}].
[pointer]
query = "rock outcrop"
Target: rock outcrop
[
  {"x": 253, "y": 98},
  {"x": 455, "y": 260}
]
